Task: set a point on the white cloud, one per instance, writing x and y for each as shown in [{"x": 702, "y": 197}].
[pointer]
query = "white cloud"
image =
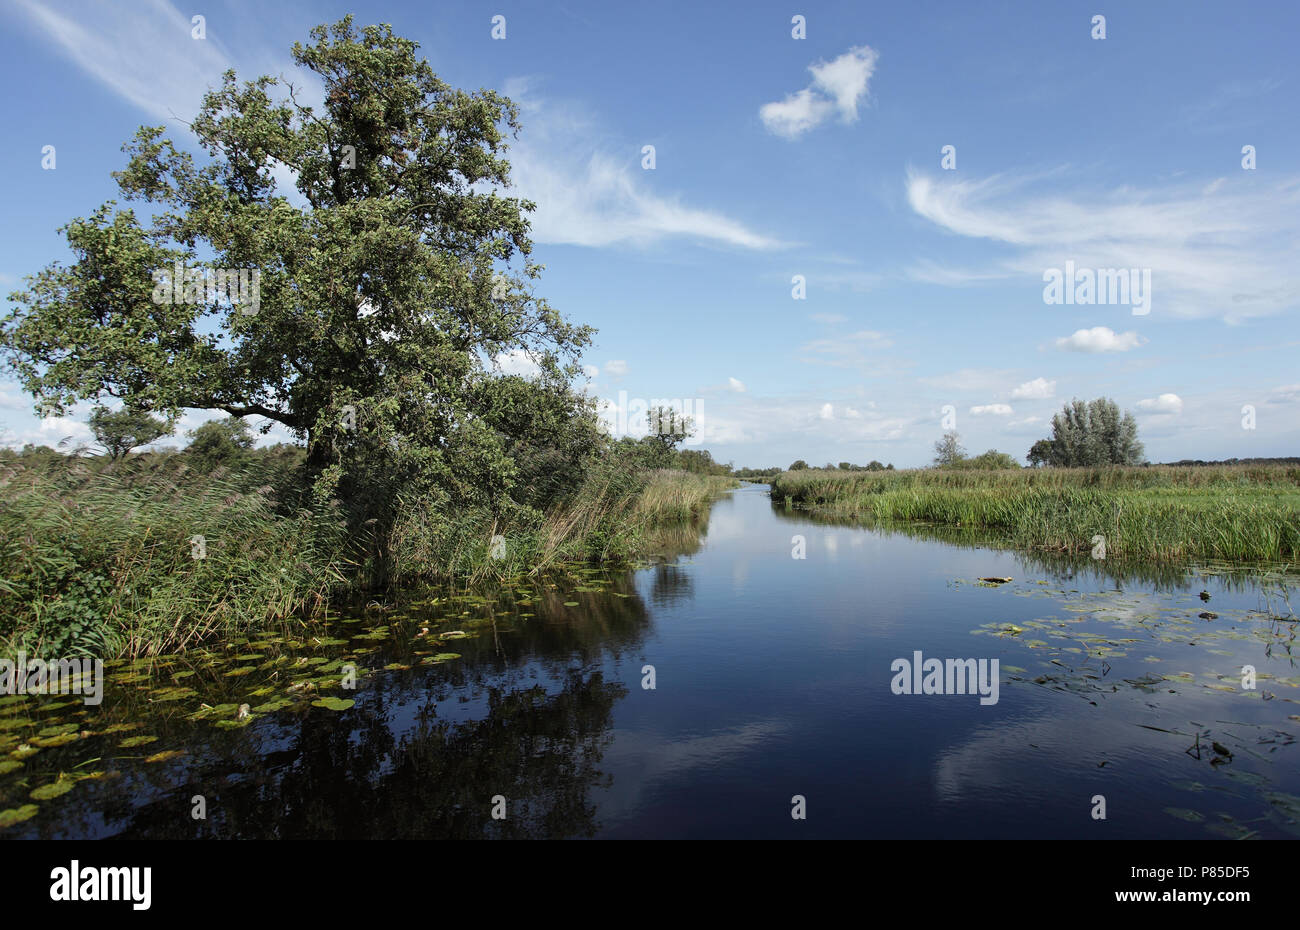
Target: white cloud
[
  {"x": 591, "y": 371},
  {"x": 126, "y": 47},
  {"x": 796, "y": 114},
  {"x": 998, "y": 410},
  {"x": 828, "y": 318},
  {"x": 587, "y": 196},
  {"x": 837, "y": 85},
  {"x": 736, "y": 385},
  {"x": 1165, "y": 403},
  {"x": 616, "y": 368},
  {"x": 1217, "y": 250},
  {"x": 1038, "y": 389},
  {"x": 827, "y": 412},
  {"x": 1099, "y": 339},
  {"x": 845, "y": 79},
  {"x": 1026, "y": 421},
  {"x": 127, "y": 51}
]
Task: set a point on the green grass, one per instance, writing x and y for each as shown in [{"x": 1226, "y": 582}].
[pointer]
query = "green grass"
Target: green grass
[
  {"x": 98, "y": 558},
  {"x": 101, "y": 560},
  {"x": 1231, "y": 513},
  {"x": 610, "y": 519}
]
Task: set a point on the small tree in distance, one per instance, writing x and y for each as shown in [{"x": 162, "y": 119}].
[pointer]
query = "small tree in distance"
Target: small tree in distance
[
  {"x": 948, "y": 450},
  {"x": 1090, "y": 435},
  {"x": 120, "y": 431},
  {"x": 219, "y": 442}
]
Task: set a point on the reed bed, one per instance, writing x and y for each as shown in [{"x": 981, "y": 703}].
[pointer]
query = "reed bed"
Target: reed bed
[
  {"x": 1165, "y": 513},
  {"x": 147, "y": 557}
]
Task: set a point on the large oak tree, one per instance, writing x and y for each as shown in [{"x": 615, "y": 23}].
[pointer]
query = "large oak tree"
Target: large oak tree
[{"x": 387, "y": 284}]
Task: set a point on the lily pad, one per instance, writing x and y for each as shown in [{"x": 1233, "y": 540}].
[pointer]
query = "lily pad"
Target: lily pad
[
  {"x": 132, "y": 741},
  {"x": 17, "y": 815},
  {"x": 333, "y": 703},
  {"x": 165, "y": 755}
]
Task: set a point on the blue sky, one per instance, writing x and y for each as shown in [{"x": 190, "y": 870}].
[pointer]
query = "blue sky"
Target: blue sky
[{"x": 820, "y": 157}]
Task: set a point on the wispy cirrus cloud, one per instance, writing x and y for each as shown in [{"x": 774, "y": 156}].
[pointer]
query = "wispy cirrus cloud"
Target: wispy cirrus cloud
[
  {"x": 127, "y": 47},
  {"x": 588, "y": 196},
  {"x": 858, "y": 350},
  {"x": 585, "y": 195},
  {"x": 1224, "y": 250}
]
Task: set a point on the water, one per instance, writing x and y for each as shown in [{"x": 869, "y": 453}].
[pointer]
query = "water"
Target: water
[{"x": 772, "y": 680}]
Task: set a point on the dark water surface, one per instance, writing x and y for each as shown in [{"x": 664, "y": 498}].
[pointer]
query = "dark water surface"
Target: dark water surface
[{"x": 772, "y": 679}]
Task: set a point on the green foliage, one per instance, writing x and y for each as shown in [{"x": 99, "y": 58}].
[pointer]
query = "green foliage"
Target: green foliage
[
  {"x": 219, "y": 444},
  {"x": 1040, "y": 453},
  {"x": 381, "y": 304},
  {"x": 797, "y": 465},
  {"x": 988, "y": 460},
  {"x": 1090, "y": 435},
  {"x": 100, "y": 559},
  {"x": 700, "y": 462},
  {"x": 873, "y": 465},
  {"x": 122, "y": 430}
]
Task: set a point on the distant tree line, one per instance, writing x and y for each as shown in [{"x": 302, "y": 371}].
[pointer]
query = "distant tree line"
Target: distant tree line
[{"x": 873, "y": 465}]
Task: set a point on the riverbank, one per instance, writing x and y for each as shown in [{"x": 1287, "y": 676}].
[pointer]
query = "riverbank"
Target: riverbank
[
  {"x": 148, "y": 555},
  {"x": 1158, "y": 513}
]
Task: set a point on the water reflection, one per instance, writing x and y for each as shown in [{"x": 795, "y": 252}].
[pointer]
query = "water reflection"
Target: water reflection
[{"x": 772, "y": 679}]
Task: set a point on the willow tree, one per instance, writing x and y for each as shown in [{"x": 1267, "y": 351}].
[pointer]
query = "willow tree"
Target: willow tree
[
  {"x": 1090, "y": 434},
  {"x": 350, "y": 271}
]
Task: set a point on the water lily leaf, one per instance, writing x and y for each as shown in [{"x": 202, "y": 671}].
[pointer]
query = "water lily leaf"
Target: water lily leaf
[
  {"x": 1182, "y": 813},
  {"x": 132, "y": 741},
  {"x": 53, "y": 790},
  {"x": 121, "y": 727},
  {"x": 58, "y": 728},
  {"x": 333, "y": 703},
  {"x": 165, "y": 755},
  {"x": 236, "y": 724},
  {"x": 17, "y": 815},
  {"x": 272, "y": 706},
  {"x": 49, "y": 742}
]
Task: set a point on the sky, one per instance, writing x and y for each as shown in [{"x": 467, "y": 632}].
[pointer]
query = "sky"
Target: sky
[{"x": 805, "y": 261}]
